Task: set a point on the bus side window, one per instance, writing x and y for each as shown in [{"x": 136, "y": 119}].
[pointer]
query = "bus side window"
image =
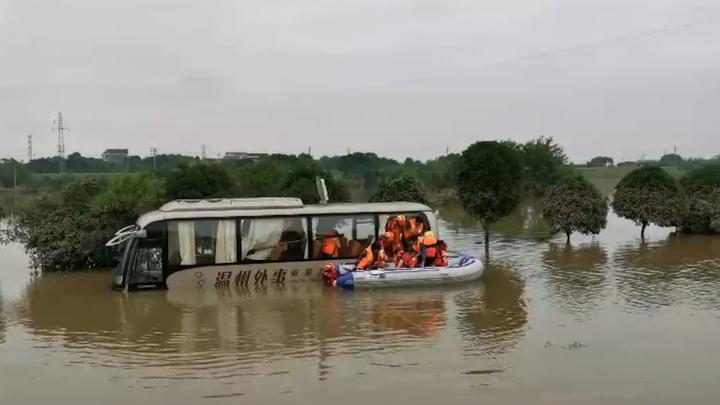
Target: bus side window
[
  {"x": 202, "y": 242},
  {"x": 341, "y": 236},
  {"x": 274, "y": 239}
]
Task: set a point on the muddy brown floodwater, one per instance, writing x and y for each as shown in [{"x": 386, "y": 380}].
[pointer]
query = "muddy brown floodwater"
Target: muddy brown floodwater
[{"x": 610, "y": 320}]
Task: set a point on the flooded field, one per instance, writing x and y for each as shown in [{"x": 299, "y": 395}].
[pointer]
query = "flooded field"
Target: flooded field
[{"x": 608, "y": 320}]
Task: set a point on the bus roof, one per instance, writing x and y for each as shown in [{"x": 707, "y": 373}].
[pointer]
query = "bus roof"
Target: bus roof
[{"x": 261, "y": 207}]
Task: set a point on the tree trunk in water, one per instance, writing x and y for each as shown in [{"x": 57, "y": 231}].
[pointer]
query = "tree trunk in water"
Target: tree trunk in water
[
  {"x": 486, "y": 226},
  {"x": 642, "y": 230},
  {"x": 567, "y": 241}
]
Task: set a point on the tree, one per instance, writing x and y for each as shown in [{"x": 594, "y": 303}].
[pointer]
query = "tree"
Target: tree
[
  {"x": 199, "y": 180},
  {"x": 489, "y": 179},
  {"x": 67, "y": 230},
  {"x": 543, "y": 163},
  {"x": 403, "y": 188},
  {"x": 701, "y": 195},
  {"x": 575, "y": 205},
  {"x": 300, "y": 182},
  {"x": 600, "y": 161},
  {"x": 671, "y": 159},
  {"x": 648, "y": 195}
]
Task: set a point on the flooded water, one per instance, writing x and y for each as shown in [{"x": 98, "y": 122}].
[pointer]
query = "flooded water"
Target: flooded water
[{"x": 608, "y": 320}]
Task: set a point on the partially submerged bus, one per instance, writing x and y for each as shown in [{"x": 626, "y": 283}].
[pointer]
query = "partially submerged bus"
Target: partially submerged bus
[{"x": 218, "y": 243}]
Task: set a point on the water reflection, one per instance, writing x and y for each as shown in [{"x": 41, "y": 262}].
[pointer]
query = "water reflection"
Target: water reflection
[
  {"x": 576, "y": 276},
  {"x": 225, "y": 331},
  {"x": 493, "y": 316},
  {"x": 682, "y": 269},
  {"x": 525, "y": 220}
]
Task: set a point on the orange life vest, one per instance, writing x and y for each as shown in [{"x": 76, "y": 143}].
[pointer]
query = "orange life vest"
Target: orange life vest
[
  {"x": 368, "y": 260},
  {"x": 405, "y": 259},
  {"x": 331, "y": 245},
  {"x": 441, "y": 258},
  {"x": 430, "y": 243}
]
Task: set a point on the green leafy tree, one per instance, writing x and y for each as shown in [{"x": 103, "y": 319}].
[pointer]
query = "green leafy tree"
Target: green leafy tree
[
  {"x": 199, "y": 180},
  {"x": 575, "y": 205},
  {"x": 128, "y": 196},
  {"x": 648, "y": 195},
  {"x": 67, "y": 230},
  {"x": 489, "y": 180},
  {"x": 300, "y": 183},
  {"x": 544, "y": 164},
  {"x": 671, "y": 159},
  {"x": 701, "y": 194},
  {"x": 600, "y": 161},
  {"x": 402, "y": 188}
]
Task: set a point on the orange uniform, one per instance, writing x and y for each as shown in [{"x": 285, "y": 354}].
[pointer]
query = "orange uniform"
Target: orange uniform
[
  {"x": 441, "y": 258},
  {"x": 373, "y": 258},
  {"x": 429, "y": 246},
  {"x": 331, "y": 245}
]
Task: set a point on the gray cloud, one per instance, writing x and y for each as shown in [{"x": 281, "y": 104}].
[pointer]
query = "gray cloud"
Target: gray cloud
[{"x": 393, "y": 76}]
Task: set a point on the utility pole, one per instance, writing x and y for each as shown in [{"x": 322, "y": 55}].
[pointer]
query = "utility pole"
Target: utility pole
[
  {"x": 58, "y": 126},
  {"x": 29, "y": 148},
  {"x": 153, "y": 152},
  {"x": 15, "y": 185},
  {"x": 447, "y": 150}
]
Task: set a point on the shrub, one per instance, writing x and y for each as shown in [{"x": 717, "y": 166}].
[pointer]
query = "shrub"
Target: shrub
[{"x": 575, "y": 205}]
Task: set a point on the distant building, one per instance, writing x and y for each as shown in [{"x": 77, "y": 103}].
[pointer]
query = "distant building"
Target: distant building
[
  {"x": 243, "y": 156},
  {"x": 116, "y": 156}
]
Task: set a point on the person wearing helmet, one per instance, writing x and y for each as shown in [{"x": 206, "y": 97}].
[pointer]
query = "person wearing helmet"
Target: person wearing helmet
[{"x": 428, "y": 249}]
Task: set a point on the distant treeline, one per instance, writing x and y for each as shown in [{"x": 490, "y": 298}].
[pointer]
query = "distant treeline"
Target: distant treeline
[{"x": 66, "y": 224}]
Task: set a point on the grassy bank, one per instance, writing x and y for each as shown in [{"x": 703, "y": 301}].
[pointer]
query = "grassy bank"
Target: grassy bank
[{"x": 606, "y": 178}]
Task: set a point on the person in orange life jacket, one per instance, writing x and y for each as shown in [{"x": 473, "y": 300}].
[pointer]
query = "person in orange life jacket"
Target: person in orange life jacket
[
  {"x": 412, "y": 229},
  {"x": 428, "y": 249},
  {"x": 330, "y": 273},
  {"x": 396, "y": 225},
  {"x": 372, "y": 258},
  {"x": 408, "y": 256},
  {"x": 390, "y": 244},
  {"x": 330, "y": 245},
  {"x": 405, "y": 258},
  {"x": 441, "y": 258}
]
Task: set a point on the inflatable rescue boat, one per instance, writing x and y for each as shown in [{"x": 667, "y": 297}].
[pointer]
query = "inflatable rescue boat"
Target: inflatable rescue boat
[{"x": 465, "y": 268}]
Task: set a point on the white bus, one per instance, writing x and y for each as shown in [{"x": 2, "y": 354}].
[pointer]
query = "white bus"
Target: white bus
[{"x": 223, "y": 243}]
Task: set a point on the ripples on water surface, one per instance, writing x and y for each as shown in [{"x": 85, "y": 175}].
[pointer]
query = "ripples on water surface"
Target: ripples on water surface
[{"x": 608, "y": 320}]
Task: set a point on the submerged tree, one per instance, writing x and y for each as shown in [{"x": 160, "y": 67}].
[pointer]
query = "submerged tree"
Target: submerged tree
[
  {"x": 701, "y": 195},
  {"x": 489, "y": 180},
  {"x": 575, "y": 205},
  {"x": 68, "y": 230},
  {"x": 648, "y": 195},
  {"x": 402, "y": 188}
]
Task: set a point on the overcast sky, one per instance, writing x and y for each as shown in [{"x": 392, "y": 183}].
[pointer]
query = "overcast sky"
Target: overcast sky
[{"x": 397, "y": 77}]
